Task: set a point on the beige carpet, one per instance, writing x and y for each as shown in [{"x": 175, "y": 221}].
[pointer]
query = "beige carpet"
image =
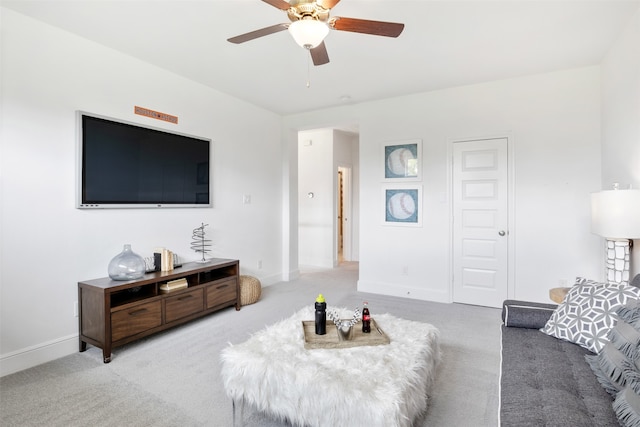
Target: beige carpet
[{"x": 172, "y": 379}]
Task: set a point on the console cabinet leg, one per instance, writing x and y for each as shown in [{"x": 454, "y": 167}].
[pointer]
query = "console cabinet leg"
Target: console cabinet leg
[{"x": 83, "y": 346}]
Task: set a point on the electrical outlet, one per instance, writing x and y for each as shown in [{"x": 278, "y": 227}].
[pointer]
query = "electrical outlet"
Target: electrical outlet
[
  {"x": 75, "y": 309},
  {"x": 260, "y": 264},
  {"x": 563, "y": 283},
  {"x": 246, "y": 199},
  {"x": 405, "y": 270}
]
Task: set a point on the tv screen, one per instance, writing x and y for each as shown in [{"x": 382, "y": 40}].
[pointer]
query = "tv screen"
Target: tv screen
[{"x": 124, "y": 165}]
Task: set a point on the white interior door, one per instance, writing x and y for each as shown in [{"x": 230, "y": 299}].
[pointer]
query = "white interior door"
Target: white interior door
[{"x": 480, "y": 222}]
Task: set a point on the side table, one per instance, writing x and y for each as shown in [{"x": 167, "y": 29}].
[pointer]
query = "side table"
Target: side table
[{"x": 557, "y": 294}]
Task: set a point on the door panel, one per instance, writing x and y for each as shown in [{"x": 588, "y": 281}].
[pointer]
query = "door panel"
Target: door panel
[
  {"x": 479, "y": 279},
  {"x": 477, "y": 218},
  {"x": 479, "y": 249},
  {"x": 480, "y": 222},
  {"x": 479, "y": 189}
]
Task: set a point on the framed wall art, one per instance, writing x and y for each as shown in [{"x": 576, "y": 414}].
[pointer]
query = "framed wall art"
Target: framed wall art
[
  {"x": 402, "y": 205},
  {"x": 402, "y": 160}
]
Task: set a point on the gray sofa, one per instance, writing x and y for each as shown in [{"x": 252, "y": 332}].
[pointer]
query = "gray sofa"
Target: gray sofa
[{"x": 546, "y": 381}]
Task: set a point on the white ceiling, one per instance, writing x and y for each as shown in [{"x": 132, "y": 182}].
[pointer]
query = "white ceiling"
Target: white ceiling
[{"x": 445, "y": 43}]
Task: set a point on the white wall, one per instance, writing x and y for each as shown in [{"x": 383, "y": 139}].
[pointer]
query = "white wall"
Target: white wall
[
  {"x": 553, "y": 122},
  {"x": 47, "y": 245},
  {"x": 621, "y": 116},
  {"x": 621, "y": 109}
]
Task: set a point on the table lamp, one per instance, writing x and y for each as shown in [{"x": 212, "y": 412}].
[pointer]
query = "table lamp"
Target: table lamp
[{"x": 615, "y": 215}]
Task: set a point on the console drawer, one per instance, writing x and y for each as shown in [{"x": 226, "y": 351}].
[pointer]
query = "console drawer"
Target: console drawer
[
  {"x": 136, "y": 319},
  {"x": 183, "y": 305},
  {"x": 221, "y": 293}
]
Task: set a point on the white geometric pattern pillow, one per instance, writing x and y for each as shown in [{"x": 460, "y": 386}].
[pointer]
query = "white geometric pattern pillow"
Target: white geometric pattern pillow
[{"x": 588, "y": 313}]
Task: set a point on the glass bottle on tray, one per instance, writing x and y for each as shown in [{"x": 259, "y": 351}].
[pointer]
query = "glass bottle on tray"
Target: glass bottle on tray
[{"x": 366, "y": 318}]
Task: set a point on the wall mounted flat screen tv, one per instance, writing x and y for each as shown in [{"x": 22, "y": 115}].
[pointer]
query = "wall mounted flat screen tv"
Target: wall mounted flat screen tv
[{"x": 125, "y": 165}]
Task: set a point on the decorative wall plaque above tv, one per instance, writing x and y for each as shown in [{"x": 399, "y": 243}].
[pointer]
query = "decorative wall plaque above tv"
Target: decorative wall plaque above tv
[{"x": 126, "y": 165}]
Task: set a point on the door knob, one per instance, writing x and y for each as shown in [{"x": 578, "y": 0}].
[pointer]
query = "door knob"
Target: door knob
[{"x": 501, "y": 233}]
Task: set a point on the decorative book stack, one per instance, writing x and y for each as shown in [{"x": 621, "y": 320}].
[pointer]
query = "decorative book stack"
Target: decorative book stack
[
  {"x": 165, "y": 260},
  {"x": 174, "y": 285}
]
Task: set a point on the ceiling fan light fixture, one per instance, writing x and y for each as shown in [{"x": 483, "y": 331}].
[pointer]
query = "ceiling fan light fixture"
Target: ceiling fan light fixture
[{"x": 308, "y": 33}]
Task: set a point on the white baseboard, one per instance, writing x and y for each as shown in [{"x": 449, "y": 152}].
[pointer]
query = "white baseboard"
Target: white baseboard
[
  {"x": 317, "y": 262},
  {"x": 270, "y": 280},
  {"x": 292, "y": 275},
  {"x": 393, "y": 289},
  {"x": 38, "y": 354},
  {"x": 264, "y": 279}
]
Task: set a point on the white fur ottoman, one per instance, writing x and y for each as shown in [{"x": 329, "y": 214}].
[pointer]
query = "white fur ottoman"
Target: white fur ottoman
[{"x": 385, "y": 385}]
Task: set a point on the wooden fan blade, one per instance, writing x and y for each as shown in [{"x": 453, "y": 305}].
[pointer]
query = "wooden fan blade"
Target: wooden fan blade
[
  {"x": 280, "y": 4},
  {"x": 376, "y": 28},
  {"x": 319, "y": 55},
  {"x": 258, "y": 33},
  {"x": 328, "y": 4}
]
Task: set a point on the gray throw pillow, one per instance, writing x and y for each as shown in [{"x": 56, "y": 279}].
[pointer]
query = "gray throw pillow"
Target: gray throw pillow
[
  {"x": 616, "y": 366},
  {"x": 632, "y": 376},
  {"x": 626, "y": 339},
  {"x": 630, "y": 313},
  {"x": 609, "y": 368},
  {"x": 588, "y": 313},
  {"x": 627, "y": 408}
]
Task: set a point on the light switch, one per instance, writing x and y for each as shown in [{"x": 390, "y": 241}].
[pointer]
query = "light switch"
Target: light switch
[{"x": 246, "y": 199}]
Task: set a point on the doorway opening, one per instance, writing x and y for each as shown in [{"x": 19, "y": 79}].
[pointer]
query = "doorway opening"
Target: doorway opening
[
  {"x": 327, "y": 197},
  {"x": 344, "y": 238}
]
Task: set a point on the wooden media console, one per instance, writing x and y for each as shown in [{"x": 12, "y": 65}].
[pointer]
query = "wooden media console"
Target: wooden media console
[{"x": 113, "y": 313}]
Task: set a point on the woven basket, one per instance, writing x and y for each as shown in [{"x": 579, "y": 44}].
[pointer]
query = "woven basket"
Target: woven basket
[{"x": 250, "y": 290}]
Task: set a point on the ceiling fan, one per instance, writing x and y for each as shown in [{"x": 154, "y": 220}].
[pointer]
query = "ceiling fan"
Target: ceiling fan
[{"x": 310, "y": 24}]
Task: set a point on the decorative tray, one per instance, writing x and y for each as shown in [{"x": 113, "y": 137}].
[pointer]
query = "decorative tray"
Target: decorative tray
[{"x": 334, "y": 340}]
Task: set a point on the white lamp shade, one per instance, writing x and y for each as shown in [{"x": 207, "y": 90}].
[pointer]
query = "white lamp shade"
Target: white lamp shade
[
  {"x": 616, "y": 214},
  {"x": 308, "y": 33}
]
